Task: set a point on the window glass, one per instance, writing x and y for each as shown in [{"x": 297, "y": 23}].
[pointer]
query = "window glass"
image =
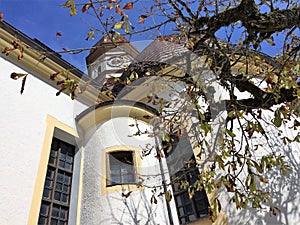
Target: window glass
[
  {"x": 120, "y": 168},
  {"x": 57, "y": 187},
  {"x": 189, "y": 209}
]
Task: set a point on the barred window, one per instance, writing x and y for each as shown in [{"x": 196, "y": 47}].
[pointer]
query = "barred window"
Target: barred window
[
  {"x": 189, "y": 209},
  {"x": 57, "y": 188}
]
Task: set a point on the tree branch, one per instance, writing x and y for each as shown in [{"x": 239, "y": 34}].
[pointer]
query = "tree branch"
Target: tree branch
[{"x": 254, "y": 21}]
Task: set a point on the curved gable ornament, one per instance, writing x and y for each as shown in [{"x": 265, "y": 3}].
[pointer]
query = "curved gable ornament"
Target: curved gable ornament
[{"x": 105, "y": 111}]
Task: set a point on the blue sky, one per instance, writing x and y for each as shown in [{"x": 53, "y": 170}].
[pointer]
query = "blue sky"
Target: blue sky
[{"x": 41, "y": 19}]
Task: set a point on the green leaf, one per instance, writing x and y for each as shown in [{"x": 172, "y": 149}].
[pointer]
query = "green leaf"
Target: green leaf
[
  {"x": 168, "y": 196},
  {"x": 133, "y": 75},
  {"x": 247, "y": 181},
  {"x": 205, "y": 127},
  {"x": 91, "y": 35},
  {"x": 220, "y": 162},
  {"x": 127, "y": 30},
  {"x": 252, "y": 183},
  {"x": 73, "y": 11},
  {"x": 166, "y": 137},
  {"x": 191, "y": 192},
  {"x": 67, "y": 4},
  {"x": 230, "y": 133},
  {"x": 277, "y": 120},
  {"x": 119, "y": 25},
  {"x": 258, "y": 167},
  {"x": 285, "y": 169},
  {"x": 297, "y": 138},
  {"x": 231, "y": 114}
]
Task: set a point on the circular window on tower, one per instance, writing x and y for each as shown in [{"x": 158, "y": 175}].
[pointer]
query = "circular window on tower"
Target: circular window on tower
[{"x": 115, "y": 61}]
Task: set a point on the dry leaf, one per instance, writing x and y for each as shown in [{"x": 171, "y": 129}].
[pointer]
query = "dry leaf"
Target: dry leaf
[
  {"x": 23, "y": 84},
  {"x": 142, "y": 18},
  {"x": 128, "y": 6},
  {"x": 127, "y": 194},
  {"x": 16, "y": 76},
  {"x": 119, "y": 10},
  {"x": 110, "y": 6},
  {"x": 85, "y": 7}
]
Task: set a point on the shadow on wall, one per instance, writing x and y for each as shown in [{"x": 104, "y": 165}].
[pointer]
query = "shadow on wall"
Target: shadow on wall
[
  {"x": 284, "y": 193},
  {"x": 139, "y": 209}
]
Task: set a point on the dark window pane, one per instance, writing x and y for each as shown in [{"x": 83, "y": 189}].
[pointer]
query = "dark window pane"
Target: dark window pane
[
  {"x": 178, "y": 201},
  {"x": 61, "y": 164},
  {"x": 54, "y": 222},
  {"x": 55, "y": 211},
  {"x": 50, "y": 174},
  {"x": 53, "y": 156},
  {"x": 192, "y": 217},
  {"x": 183, "y": 221},
  {"x": 60, "y": 177},
  {"x": 55, "y": 143},
  {"x": 121, "y": 168},
  {"x": 189, "y": 209},
  {"x": 62, "y": 155},
  {"x": 185, "y": 197},
  {"x": 43, "y": 220},
  {"x": 55, "y": 208},
  {"x": 64, "y": 198},
  {"x": 57, "y": 196},
  {"x": 69, "y": 159},
  {"x": 48, "y": 183},
  {"x": 67, "y": 180},
  {"x": 47, "y": 193},
  {"x": 176, "y": 187},
  {"x": 66, "y": 188},
  {"x": 68, "y": 166},
  {"x": 181, "y": 211},
  {"x": 63, "y": 214},
  {"x": 63, "y": 146},
  {"x": 58, "y": 186},
  {"x": 44, "y": 209},
  {"x": 66, "y": 157},
  {"x": 115, "y": 180}
]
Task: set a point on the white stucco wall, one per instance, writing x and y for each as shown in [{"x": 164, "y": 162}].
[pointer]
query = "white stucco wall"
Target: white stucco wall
[
  {"x": 113, "y": 208},
  {"x": 22, "y": 132}
]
